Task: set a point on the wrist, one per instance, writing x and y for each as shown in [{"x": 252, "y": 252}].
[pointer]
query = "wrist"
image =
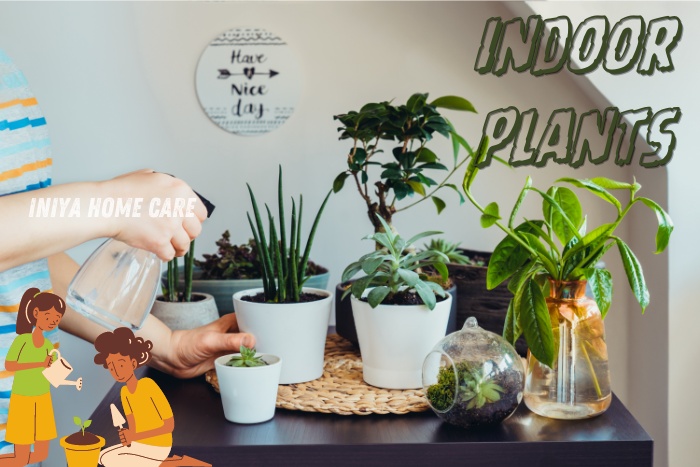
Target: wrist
[{"x": 109, "y": 227}]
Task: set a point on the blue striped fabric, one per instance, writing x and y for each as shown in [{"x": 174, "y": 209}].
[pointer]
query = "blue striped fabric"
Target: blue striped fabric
[{"x": 24, "y": 142}]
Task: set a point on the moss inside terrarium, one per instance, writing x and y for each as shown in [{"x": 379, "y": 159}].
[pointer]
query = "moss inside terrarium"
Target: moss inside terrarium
[{"x": 442, "y": 394}]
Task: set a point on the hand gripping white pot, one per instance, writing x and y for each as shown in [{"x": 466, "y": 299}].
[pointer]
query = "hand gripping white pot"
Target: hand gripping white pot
[
  {"x": 395, "y": 339},
  {"x": 296, "y": 332},
  {"x": 248, "y": 395}
]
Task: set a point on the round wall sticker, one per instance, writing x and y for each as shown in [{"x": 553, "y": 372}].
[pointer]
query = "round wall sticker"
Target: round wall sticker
[{"x": 248, "y": 81}]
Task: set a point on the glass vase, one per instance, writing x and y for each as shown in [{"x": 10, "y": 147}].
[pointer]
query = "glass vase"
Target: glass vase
[{"x": 578, "y": 384}]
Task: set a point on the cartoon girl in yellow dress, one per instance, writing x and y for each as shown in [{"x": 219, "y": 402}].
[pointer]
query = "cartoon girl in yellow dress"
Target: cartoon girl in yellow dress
[{"x": 30, "y": 419}]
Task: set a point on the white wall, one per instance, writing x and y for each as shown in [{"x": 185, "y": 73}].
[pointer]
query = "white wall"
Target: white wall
[
  {"x": 661, "y": 355},
  {"x": 116, "y": 82}
]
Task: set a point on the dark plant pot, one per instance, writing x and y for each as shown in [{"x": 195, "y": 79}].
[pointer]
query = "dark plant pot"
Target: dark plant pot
[
  {"x": 345, "y": 322},
  {"x": 489, "y": 307}
]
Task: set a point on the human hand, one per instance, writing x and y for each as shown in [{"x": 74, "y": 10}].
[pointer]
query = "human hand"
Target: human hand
[
  {"x": 167, "y": 237},
  {"x": 126, "y": 436},
  {"x": 191, "y": 353},
  {"x": 47, "y": 361}
]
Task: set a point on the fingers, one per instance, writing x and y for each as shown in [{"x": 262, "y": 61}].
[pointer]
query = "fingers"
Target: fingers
[
  {"x": 180, "y": 243},
  {"x": 222, "y": 343}
]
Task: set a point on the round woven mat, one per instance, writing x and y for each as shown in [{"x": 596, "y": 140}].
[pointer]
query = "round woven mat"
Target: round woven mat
[{"x": 341, "y": 389}]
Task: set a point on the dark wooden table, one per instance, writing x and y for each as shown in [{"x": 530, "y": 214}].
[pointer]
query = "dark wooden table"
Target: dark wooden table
[{"x": 312, "y": 439}]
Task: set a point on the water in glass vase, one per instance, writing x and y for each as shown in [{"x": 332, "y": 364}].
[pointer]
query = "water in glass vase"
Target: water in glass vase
[{"x": 578, "y": 384}]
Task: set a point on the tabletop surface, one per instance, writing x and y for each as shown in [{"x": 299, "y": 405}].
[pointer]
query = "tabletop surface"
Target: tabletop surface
[{"x": 614, "y": 438}]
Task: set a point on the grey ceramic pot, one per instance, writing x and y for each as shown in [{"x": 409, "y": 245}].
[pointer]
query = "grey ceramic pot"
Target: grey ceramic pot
[{"x": 186, "y": 315}]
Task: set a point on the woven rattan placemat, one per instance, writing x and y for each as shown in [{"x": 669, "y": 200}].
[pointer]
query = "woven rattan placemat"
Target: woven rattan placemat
[{"x": 341, "y": 389}]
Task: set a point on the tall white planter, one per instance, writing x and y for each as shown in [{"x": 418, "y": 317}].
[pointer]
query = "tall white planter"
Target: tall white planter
[
  {"x": 395, "y": 339},
  {"x": 248, "y": 395},
  {"x": 296, "y": 332}
]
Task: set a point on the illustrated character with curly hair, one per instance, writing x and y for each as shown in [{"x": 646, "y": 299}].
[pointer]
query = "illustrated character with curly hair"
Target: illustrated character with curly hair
[
  {"x": 30, "y": 418},
  {"x": 148, "y": 439}
]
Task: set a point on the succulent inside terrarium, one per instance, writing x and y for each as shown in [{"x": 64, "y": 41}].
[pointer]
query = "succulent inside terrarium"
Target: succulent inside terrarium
[{"x": 473, "y": 377}]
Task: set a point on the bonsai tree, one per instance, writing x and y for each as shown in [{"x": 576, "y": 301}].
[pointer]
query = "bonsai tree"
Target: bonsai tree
[
  {"x": 410, "y": 127},
  {"x": 171, "y": 292},
  {"x": 284, "y": 266},
  {"x": 392, "y": 274},
  {"x": 560, "y": 247}
]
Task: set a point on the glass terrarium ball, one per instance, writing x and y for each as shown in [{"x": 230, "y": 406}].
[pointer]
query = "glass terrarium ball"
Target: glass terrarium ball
[{"x": 473, "y": 377}]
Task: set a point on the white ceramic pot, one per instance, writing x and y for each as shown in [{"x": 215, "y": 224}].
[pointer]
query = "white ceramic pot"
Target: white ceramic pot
[
  {"x": 248, "y": 395},
  {"x": 294, "y": 331},
  {"x": 395, "y": 339},
  {"x": 186, "y": 315}
]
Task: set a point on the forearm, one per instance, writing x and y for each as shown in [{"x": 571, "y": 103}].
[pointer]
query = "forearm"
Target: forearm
[
  {"x": 167, "y": 428},
  {"x": 62, "y": 269},
  {"x": 16, "y": 366},
  {"x": 36, "y": 237}
]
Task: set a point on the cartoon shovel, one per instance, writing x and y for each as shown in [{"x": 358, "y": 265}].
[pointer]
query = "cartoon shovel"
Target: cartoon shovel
[{"x": 117, "y": 417}]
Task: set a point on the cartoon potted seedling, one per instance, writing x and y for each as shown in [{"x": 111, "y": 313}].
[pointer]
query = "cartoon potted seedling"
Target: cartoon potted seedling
[
  {"x": 248, "y": 385},
  {"x": 82, "y": 447}
]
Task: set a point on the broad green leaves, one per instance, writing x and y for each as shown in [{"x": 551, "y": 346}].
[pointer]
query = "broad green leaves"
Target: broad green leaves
[
  {"x": 663, "y": 233},
  {"x": 535, "y": 322},
  {"x": 490, "y": 215},
  {"x": 570, "y": 207},
  {"x": 635, "y": 276},
  {"x": 453, "y": 103},
  {"x": 600, "y": 283},
  {"x": 595, "y": 189}
]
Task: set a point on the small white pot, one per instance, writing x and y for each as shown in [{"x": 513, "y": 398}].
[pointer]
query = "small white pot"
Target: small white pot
[
  {"x": 186, "y": 315},
  {"x": 248, "y": 394},
  {"x": 294, "y": 331},
  {"x": 395, "y": 339}
]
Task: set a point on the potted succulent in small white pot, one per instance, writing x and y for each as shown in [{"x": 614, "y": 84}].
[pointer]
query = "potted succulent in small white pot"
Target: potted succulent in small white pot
[
  {"x": 248, "y": 385},
  {"x": 182, "y": 309},
  {"x": 399, "y": 314},
  {"x": 286, "y": 318}
]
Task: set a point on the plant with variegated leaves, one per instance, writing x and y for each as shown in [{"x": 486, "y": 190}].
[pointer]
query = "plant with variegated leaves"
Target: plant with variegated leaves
[{"x": 560, "y": 247}]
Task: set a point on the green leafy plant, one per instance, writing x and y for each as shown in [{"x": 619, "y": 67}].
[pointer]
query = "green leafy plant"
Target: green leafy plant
[
  {"x": 284, "y": 267},
  {"x": 478, "y": 389},
  {"x": 247, "y": 358},
  {"x": 559, "y": 247},
  {"x": 389, "y": 271},
  {"x": 452, "y": 252},
  {"x": 82, "y": 424},
  {"x": 410, "y": 127},
  {"x": 171, "y": 292}
]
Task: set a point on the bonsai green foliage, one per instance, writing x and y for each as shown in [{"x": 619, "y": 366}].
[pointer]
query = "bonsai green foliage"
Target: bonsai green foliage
[
  {"x": 170, "y": 291},
  {"x": 231, "y": 261},
  {"x": 451, "y": 251},
  {"x": 389, "y": 270},
  {"x": 475, "y": 388},
  {"x": 478, "y": 389},
  {"x": 284, "y": 267},
  {"x": 410, "y": 127},
  {"x": 247, "y": 358},
  {"x": 82, "y": 424},
  {"x": 560, "y": 247}
]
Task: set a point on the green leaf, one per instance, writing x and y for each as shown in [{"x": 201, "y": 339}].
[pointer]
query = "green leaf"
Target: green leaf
[
  {"x": 417, "y": 187},
  {"x": 595, "y": 189},
  {"x": 339, "y": 182},
  {"x": 473, "y": 167},
  {"x": 360, "y": 285},
  {"x": 600, "y": 283},
  {"x": 439, "y": 203},
  {"x": 569, "y": 203},
  {"x": 490, "y": 215},
  {"x": 454, "y": 187},
  {"x": 511, "y": 327},
  {"x": 416, "y": 101},
  {"x": 519, "y": 202},
  {"x": 543, "y": 254},
  {"x": 442, "y": 270},
  {"x": 426, "y": 155},
  {"x": 77, "y": 421},
  {"x": 377, "y": 295},
  {"x": 535, "y": 322},
  {"x": 663, "y": 233},
  {"x": 426, "y": 294},
  {"x": 370, "y": 265},
  {"x": 411, "y": 278},
  {"x": 453, "y": 103},
  {"x": 635, "y": 276},
  {"x": 507, "y": 257},
  {"x": 610, "y": 184},
  {"x": 87, "y": 423}
]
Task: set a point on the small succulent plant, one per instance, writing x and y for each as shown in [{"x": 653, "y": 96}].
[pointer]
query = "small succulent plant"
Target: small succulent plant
[
  {"x": 478, "y": 389},
  {"x": 450, "y": 250},
  {"x": 247, "y": 358},
  {"x": 82, "y": 424}
]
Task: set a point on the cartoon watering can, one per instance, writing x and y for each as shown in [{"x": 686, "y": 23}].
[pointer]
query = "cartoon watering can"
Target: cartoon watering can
[{"x": 59, "y": 371}]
